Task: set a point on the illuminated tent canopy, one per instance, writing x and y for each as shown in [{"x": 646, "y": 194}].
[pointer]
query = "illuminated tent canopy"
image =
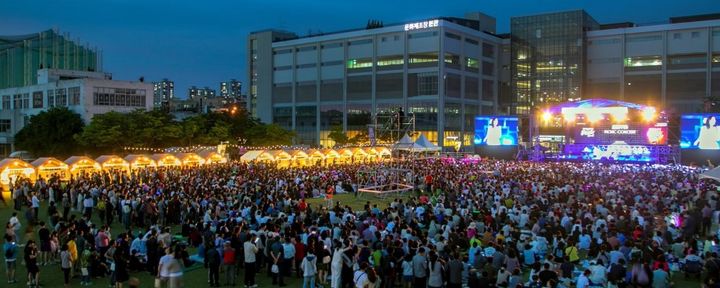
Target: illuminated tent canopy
[
  {"x": 383, "y": 151},
  {"x": 48, "y": 166},
  {"x": 11, "y": 169},
  {"x": 166, "y": 160},
  {"x": 138, "y": 161},
  {"x": 82, "y": 164},
  {"x": 112, "y": 162},
  {"x": 190, "y": 159},
  {"x": 212, "y": 157}
]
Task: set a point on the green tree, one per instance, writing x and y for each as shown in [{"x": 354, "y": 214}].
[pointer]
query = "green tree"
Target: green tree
[
  {"x": 107, "y": 132},
  {"x": 51, "y": 133},
  {"x": 338, "y": 135}
]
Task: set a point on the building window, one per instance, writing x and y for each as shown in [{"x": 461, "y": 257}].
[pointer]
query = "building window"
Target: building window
[
  {"x": 488, "y": 68},
  {"x": 306, "y": 48},
  {"x": 103, "y": 96},
  {"x": 695, "y": 34},
  {"x": 61, "y": 97},
  {"x": 472, "y": 64},
  {"x": 641, "y": 63},
  {"x": 5, "y": 125},
  {"x": 38, "y": 99},
  {"x": 389, "y": 86},
  {"x": 364, "y": 64},
  {"x": 423, "y": 60},
  {"x": 390, "y": 62},
  {"x": 488, "y": 50},
  {"x": 17, "y": 101},
  {"x": 331, "y": 45},
  {"x": 452, "y": 36},
  {"x": 75, "y": 95},
  {"x": 51, "y": 98},
  {"x": 452, "y": 60},
  {"x": 283, "y": 51},
  {"x": 422, "y": 84},
  {"x": 360, "y": 42},
  {"x": 677, "y": 35},
  {"x": 686, "y": 61},
  {"x": 644, "y": 38},
  {"x": 359, "y": 88},
  {"x": 422, "y": 34},
  {"x": 471, "y": 41},
  {"x": 6, "y": 102}
]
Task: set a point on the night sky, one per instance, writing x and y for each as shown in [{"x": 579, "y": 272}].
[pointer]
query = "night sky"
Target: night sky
[{"x": 203, "y": 42}]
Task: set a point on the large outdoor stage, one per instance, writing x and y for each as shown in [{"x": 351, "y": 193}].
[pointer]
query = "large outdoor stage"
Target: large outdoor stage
[{"x": 601, "y": 130}]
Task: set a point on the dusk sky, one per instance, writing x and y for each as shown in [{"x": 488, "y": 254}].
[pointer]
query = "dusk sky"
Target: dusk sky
[{"x": 203, "y": 42}]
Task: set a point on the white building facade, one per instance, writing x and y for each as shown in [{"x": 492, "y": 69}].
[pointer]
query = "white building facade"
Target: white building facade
[
  {"x": 86, "y": 93},
  {"x": 443, "y": 71},
  {"x": 675, "y": 66}
]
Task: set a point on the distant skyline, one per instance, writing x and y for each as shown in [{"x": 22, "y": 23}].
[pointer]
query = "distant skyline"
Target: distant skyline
[{"x": 203, "y": 43}]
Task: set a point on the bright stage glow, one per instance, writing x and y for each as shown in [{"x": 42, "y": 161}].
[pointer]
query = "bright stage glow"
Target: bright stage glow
[
  {"x": 546, "y": 116},
  {"x": 595, "y": 114},
  {"x": 649, "y": 113}
]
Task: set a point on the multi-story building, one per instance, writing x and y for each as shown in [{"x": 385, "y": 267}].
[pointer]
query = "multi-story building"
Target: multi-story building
[
  {"x": 163, "y": 92},
  {"x": 195, "y": 93},
  {"x": 568, "y": 56},
  {"x": 675, "y": 65},
  {"x": 86, "y": 93},
  {"x": 548, "y": 54},
  {"x": 21, "y": 56},
  {"x": 444, "y": 71},
  {"x": 231, "y": 89}
]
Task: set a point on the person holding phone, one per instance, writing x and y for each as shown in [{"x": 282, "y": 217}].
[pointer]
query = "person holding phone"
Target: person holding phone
[{"x": 250, "y": 250}]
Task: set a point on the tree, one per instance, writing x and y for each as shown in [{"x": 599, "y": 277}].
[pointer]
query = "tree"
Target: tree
[
  {"x": 51, "y": 133},
  {"x": 106, "y": 133},
  {"x": 338, "y": 135},
  {"x": 269, "y": 134}
]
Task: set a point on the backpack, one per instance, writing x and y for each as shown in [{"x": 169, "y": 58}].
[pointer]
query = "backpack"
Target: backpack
[{"x": 10, "y": 252}]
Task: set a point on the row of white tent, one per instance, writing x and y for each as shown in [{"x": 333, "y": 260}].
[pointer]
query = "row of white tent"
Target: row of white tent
[{"x": 421, "y": 144}]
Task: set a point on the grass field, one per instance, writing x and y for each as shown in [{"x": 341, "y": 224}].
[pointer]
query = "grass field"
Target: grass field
[{"x": 196, "y": 276}]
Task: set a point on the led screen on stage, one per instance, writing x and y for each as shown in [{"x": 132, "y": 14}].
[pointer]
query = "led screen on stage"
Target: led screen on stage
[
  {"x": 700, "y": 131},
  {"x": 496, "y": 130},
  {"x": 632, "y": 133}
]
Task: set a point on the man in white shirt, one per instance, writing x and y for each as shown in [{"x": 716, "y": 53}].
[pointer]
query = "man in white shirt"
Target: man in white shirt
[
  {"x": 250, "y": 250},
  {"x": 163, "y": 265},
  {"x": 35, "y": 206},
  {"x": 15, "y": 224},
  {"x": 88, "y": 204}
]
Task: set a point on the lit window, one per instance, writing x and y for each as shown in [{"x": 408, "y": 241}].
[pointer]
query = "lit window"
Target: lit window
[
  {"x": 643, "y": 61},
  {"x": 359, "y": 63},
  {"x": 472, "y": 63}
]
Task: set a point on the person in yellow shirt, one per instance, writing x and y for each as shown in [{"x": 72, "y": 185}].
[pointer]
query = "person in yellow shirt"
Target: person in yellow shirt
[
  {"x": 72, "y": 248},
  {"x": 572, "y": 252}
]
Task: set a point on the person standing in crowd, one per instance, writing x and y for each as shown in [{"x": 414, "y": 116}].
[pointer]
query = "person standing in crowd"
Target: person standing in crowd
[
  {"x": 309, "y": 269},
  {"x": 212, "y": 263},
  {"x": 65, "y": 263},
  {"x": 31, "y": 266},
  {"x": 229, "y": 263},
  {"x": 10, "y": 252},
  {"x": 250, "y": 250},
  {"x": 420, "y": 268}
]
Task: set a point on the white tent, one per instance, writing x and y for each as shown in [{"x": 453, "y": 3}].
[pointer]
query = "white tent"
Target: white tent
[
  {"x": 406, "y": 144},
  {"x": 426, "y": 145},
  {"x": 711, "y": 174}
]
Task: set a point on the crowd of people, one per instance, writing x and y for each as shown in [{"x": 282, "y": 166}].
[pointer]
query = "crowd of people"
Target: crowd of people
[{"x": 467, "y": 224}]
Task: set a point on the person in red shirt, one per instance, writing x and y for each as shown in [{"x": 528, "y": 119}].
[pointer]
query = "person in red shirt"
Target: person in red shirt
[
  {"x": 299, "y": 255},
  {"x": 428, "y": 182},
  {"x": 229, "y": 264}
]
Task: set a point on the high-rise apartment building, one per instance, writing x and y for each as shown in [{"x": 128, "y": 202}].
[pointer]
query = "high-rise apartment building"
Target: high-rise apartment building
[
  {"x": 230, "y": 89},
  {"x": 163, "y": 92}
]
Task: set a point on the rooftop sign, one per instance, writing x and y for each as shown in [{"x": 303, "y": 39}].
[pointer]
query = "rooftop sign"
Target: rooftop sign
[{"x": 422, "y": 25}]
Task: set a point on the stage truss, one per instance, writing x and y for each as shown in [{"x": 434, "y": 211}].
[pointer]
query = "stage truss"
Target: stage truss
[{"x": 395, "y": 178}]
